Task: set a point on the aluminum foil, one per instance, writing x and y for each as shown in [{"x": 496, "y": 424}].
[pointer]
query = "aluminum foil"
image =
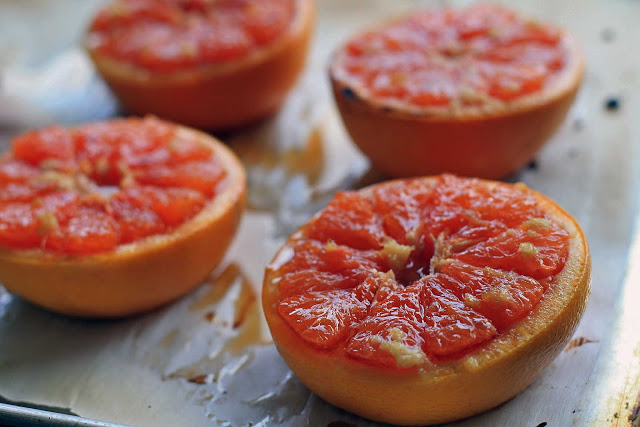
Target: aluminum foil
[{"x": 208, "y": 359}]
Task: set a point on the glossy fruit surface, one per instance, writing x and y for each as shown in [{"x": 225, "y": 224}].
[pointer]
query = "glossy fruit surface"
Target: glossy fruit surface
[
  {"x": 474, "y": 91},
  {"x": 91, "y": 210},
  {"x": 169, "y": 35},
  {"x": 207, "y": 64},
  {"x": 430, "y": 288}
]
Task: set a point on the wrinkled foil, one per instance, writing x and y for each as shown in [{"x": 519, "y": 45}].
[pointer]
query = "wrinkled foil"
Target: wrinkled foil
[{"x": 208, "y": 359}]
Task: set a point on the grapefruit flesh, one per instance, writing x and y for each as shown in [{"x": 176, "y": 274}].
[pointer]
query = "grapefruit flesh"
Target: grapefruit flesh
[
  {"x": 405, "y": 280},
  {"x": 452, "y": 58},
  {"x": 94, "y": 187},
  {"x": 170, "y": 35},
  {"x": 98, "y": 220}
]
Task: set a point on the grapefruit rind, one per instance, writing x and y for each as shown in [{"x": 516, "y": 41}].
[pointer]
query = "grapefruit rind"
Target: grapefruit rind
[
  {"x": 138, "y": 276},
  {"x": 216, "y": 96},
  {"x": 448, "y": 390}
]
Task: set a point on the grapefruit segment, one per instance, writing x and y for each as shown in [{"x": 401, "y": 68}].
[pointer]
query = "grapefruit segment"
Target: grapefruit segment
[
  {"x": 316, "y": 266},
  {"x": 172, "y": 205},
  {"x": 88, "y": 230},
  {"x": 537, "y": 248},
  {"x": 323, "y": 318},
  {"x": 502, "y": 297},
  {"x": 391, "y": 334},
  {"x": 348, "y": 220},
  {"x": 51, "y": 144},
  {"x": 401, "y": 208},
  {"x": 136, "y": 221},
  {"x": 19, "y": 227},
  {"x": 430, "y": 327},
  {"x": 450, "y": 327},
  {"x": 19, "y": 192},
  {"x": 202, "y": 176},
  {"x": 16, "y": 171}
]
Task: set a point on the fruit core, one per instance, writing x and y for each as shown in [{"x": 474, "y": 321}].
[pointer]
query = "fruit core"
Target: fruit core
[
  {"x": 169, "y": 35},
  {"x": 480, "y": 56},
  {"x": 92, "y": 188},
  {"x": 416, "y": 272}
]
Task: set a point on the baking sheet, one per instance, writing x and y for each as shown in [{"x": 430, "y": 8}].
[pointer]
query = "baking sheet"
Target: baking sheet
[{"x": 207, "y": 359}]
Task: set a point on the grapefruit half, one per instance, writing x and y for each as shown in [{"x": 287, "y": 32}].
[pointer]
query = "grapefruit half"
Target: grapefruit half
[
  {"x": 115, "y": 218},
  {"x": 428, "y": 300},
  {"x": 474, "y": 91},
  {"x": 213, "y": 65}
]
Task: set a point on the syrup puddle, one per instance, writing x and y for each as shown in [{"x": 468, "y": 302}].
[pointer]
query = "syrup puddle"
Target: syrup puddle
[
  {"x": 226, "y": 323},
  {"x": 278, "y": 166},
  {"x": 218, "y": 287}
]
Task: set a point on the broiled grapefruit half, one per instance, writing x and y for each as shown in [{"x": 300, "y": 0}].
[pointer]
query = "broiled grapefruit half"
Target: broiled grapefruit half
[
  {"x": 474, "y": 91},
  {"x": 115, "y": 218},
  {"x": 212, "y": 65},
  {"x": 428, "y": 300}
]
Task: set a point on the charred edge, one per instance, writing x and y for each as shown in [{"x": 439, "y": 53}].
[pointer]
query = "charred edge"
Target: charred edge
[
  {"x": 351, "y": 95},
  {"x": 348, "y": 93}
]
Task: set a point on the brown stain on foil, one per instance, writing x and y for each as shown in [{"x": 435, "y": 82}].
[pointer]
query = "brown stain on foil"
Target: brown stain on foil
[
  {"x": 169, "y": 339},
  {"x": 246, "y": 317},
  {"x": 577, "y": 342},
  {"x": 247, "y": 321},
  {"x": 201, "y": 379},
  {"x": 244, "y": 303},
  {"x": 218, "y": 287},
  {"x": 249, "y": 334}
]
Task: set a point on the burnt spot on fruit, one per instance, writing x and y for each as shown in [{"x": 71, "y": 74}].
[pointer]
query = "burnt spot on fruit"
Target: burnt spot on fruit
[
  {"x": 542, "y": 424},
  {"x": 348, "y": 93}
]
